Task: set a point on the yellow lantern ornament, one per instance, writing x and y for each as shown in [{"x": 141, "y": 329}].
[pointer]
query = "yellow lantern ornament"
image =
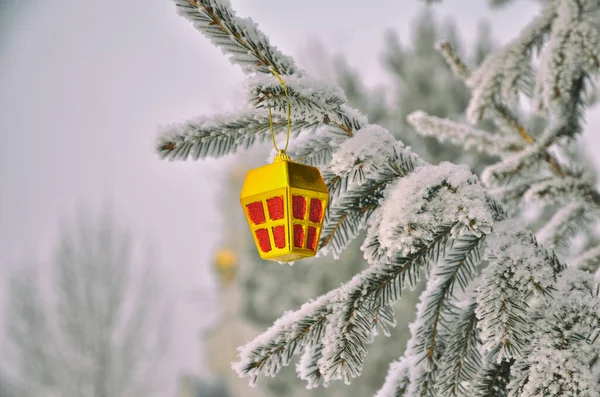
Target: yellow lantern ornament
[{"x": 284, "y": 203}]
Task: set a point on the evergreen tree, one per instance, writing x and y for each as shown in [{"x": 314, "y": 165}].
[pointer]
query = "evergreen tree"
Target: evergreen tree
[
  {"x": 102, "y": 336},
  {"x": 502, "y": 313}
]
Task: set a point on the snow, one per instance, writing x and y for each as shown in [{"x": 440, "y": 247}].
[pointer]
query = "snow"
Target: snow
[
  {"x": 590, "y": 259},
  {"x": 559, "y": 190},
  {"x": 565, "y": 340},
  {"x": 311, "y": 98},
  {"x": 571, "y": 49},
  {"x": 364, "y": 153},
  {"x": 283, "y": 331},
  {"x": 560, "y": 222},
  {"x": 518, "y": 269},
  {"x": 463, "y": 135},
  {"x": 397, "y": 377},
  {"x": 432, "y": 196},
  {"x": 520, "y": 163},
  {"x": 508, "y": 70},
  {"x": 245, "y": 27}
]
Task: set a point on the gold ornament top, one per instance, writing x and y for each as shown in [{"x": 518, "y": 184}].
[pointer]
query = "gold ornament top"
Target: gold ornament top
[{"x": 282, "y": 156}]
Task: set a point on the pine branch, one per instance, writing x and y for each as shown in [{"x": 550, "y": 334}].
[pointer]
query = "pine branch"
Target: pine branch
[
  {"x": 518, "y": 269},
  {"x": 561, "y": 190},
  {"x": 370, "y": 149},
  {"x": 507, "y": 121},
  {"x": 352, "y": 204},
  {"x": 572, "y": 52},
  {"x": 564, "y": 224},
  {"x": 308, "y": 367},
  {"x": 463, "y": 135},
  {"x": 493, "y": 377},
  {"x": 352, "y": 323},
  {"x": 511, "y": 195},
  {"x": 588, "y": 261},
  {"x": 564, "y": 342},
  {"x": 365, "y": 299},
  {"x": 239, "y": 38},
  {"x": 458, "y": 265},
  {"x": 397, "y": 380},
  {"x": 310, "y": 99},
  {"x": 316, "y": 151},
  {"x": 461, "y": 360},
  {"x": 288, "y": 336},
  {"x": 219, "y": 136},
  {"x": 436, "y": 314},
  {"x": 504, "y": 73}
]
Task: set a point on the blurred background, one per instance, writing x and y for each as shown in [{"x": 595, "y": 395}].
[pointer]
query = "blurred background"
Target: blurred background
[{"x": 125, "y": 275}]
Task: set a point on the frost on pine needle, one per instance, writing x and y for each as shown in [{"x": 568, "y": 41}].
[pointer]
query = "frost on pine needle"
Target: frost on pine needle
[
  {"x": 239, "y": 38},
  {"x": 572, "y": 50},
  {"x": 588, "y": 261},
  {"x": 461, "y": 360},
  {"x": 511, "y": 166},
  {"x": 397, "y": 380},
  {"x": 438, "y": 329},
  {"x": 506, "y": 72},
  {"x": 217, "y": 136},
  {"x": 308, "y": 367},
  {"x": 369, "y": 149},
  {"x": 564, "y": 223},
  {"x": 416, "y": 205},
  {"x": 310, "y": 99},
  {"x": 518, "y": 269},
  {"x": 463, "y": 135},
  {"x": 351, "y": 205},
  {"x": 275, "y": 348},
  {"x": 565, "y": 340},
  {"x": 559, "y": 190},
  {"x": 314, "y": 149}
]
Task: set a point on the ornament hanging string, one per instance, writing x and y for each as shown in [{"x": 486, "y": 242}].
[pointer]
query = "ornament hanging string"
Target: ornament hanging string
[{"x": 289, "y": 116}]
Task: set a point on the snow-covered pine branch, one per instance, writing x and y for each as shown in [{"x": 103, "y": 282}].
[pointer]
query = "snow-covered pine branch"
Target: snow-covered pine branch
[
  {"x": 461, "y": 360},
  {"x": 464, "y": 135},
  {"x": 588, "y": 261},
  {"x": 565, "y": 339},
  {"x": 221, "y": 135},
  {"x": 518, "y": 270},
  {"x": 355, "y": 309},
  {"x": 359, "y": 175},
  {"x": 565, "y": 223},
  {"x": 238, "y": 38},
  {"x": 530, "y": 172},
  {"x": 218, "y": 136},
  {"x": 311, "y": 100}
]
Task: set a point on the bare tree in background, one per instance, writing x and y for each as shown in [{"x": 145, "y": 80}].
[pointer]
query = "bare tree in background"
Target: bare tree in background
[{"x": 98, "y": 330}]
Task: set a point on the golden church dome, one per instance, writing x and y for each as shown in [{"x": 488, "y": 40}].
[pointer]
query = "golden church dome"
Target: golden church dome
[{"x": 226, "y": 262}]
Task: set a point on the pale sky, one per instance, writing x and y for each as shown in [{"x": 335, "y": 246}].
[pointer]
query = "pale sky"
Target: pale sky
[{"x": 83, "y": 86}]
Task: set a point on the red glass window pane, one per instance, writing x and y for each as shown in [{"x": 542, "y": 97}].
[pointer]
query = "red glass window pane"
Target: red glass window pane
[
  {"x": 298, "y": 236},
  {"x": 299, "y": 206},
  {"x": 263, "y": 240},
  {"x": 275, "y": 206},
  {"x": 311, "y": 238},
  {"x": 256, "y": 212},
  {"x": 316, "y": 210},
  {"x": 279, "y": 236}
]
